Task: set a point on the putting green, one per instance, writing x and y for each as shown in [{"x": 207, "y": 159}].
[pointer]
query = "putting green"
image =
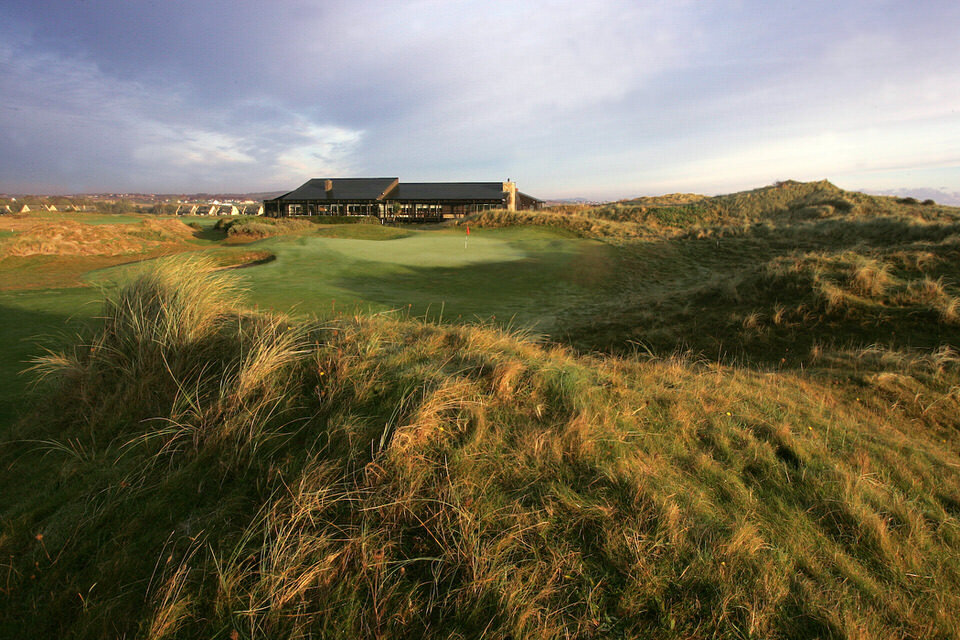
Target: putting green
[
  {"x": 522, "y": 277},
  {"x": 527, "y": 276}
]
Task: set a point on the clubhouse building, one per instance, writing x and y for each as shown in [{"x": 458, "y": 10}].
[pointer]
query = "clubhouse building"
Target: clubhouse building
[{"x": 390, "y": 199}]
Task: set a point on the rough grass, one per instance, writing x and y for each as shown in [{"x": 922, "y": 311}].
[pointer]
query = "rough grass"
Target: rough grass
[
  {"x": 198, "y": 470},
  {"x": 255, "y": 228},
  {"x": 687, "y": 215},
  {"x": 69, "y": 238},
  {"x": 248, "y": 228},
  {"x": 758, "y": 279}
]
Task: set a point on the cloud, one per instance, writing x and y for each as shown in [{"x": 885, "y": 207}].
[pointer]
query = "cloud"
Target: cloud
[
  {"x": 67, "y": 123},
  {"x": 603, "y": 99}
]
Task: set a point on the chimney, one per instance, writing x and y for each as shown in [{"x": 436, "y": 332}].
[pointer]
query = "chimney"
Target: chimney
[
  {"x": 328, "y": 186},
  {"x": 510, "y": 194}
]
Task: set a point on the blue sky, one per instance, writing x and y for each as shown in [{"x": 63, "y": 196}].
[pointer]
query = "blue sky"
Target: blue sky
[{"x": 600, "y": 99}]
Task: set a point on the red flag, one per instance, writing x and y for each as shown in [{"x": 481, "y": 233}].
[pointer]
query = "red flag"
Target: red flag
[{"x": 468, "y": 229}]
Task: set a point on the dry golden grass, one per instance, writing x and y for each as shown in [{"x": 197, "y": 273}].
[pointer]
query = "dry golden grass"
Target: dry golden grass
[
  {"x": 69, "y": 238},
  {"x": 377, "y": 477}
]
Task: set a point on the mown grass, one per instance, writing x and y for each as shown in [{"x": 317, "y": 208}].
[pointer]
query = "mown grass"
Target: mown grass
[
  {"x": 426, "y": 273},
  {"x": 32, "y": 320},
  {"x": 200, "y": 470},
  {"x": 364, "y": 232}
]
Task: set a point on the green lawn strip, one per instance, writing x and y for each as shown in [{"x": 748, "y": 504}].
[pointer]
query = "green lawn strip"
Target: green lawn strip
[
  {"x": 524, "y": 275},
  {"x": 363, "y": 232},
  {"x": 30, "y": 321}
]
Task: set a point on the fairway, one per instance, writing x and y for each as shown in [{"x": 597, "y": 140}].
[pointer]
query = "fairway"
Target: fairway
[{"x": 522, "y": 277}]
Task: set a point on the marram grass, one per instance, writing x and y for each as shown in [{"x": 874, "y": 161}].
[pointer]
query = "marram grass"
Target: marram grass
[{"x": 196, "y": 470}]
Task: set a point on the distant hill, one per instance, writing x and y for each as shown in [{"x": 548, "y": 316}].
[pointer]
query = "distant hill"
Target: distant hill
[
  {"x": 666, "y": 199},
  {"x": 570, "y": 201},
  {"x": 685, "y": 213},
  {"x": 257, "y": 195},
  {"x": 941, "y": 196}
]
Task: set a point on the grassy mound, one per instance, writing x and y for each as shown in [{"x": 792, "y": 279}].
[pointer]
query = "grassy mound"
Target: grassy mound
[
  {"x": 770, "y": 276},
  {"x": 258, "y": 227},
  {"x": 246, "y": 228},
  {"x": 686, "y": 214},
  {"x": 233, "y": 259},
  {"x": 70, "y": 238},
  {"x": 198, "y": 470},
  {"x": 779, "y": 294}
]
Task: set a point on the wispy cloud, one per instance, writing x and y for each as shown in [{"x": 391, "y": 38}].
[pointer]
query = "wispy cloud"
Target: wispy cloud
[
  {"x": 69, "y": 126},
  {"x": 603, "y": 99}
]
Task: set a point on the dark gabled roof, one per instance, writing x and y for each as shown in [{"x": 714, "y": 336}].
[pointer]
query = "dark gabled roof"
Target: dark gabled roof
[
  {"x": 343, "y": 189},
  {"x": 528, "y": 196},
  {"x": 449, "y": 191}
]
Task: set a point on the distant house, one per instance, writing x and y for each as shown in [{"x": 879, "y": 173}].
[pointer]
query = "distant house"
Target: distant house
[
  {"x": 228, "y": 210},
  {"x": 25, "y": 209},
  {"x": 6, "y": 209},
  {"x": 388, "y": 198},
  {"x": 186, "y": 210},
  {"x": 251, "y": 210},
  {"x": 207, "y": 210},
  {"x": 50, "y": 207}
]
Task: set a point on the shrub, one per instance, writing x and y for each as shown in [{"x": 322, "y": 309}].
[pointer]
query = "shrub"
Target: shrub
[
  {"x": 840, "y": 204},
  {"x": 253, "y": 229},
  {"x": 871, "y": 278}
]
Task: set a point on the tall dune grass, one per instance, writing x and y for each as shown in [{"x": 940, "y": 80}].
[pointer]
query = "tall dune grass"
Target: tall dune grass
[{"x": 248, "y": 476}]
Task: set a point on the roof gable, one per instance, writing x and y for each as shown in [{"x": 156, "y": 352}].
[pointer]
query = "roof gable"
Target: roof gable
[{"x": 343, "y": 189}]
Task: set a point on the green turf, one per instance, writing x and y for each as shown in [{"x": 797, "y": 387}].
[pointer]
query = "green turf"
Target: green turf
[
  {"x": 523, "y": 277},
  {"x": 363, "y": 232},
  {"x": 30, "y": 321}
]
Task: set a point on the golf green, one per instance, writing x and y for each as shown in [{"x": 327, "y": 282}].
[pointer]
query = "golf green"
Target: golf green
[
  {"x": 521, "y": 277},
  {"x": 528, "y": 275}
]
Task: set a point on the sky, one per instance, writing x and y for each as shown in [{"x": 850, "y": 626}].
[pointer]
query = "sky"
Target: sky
[{"x": 602, "y": 99}]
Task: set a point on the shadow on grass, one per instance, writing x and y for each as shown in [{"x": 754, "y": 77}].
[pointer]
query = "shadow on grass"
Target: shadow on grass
[
  {"x": 25, "y": 334},
  {"x": 528, "y": 294},
  {"x": 208, "y": 234},
  {"x": 713, "y": 298}
]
